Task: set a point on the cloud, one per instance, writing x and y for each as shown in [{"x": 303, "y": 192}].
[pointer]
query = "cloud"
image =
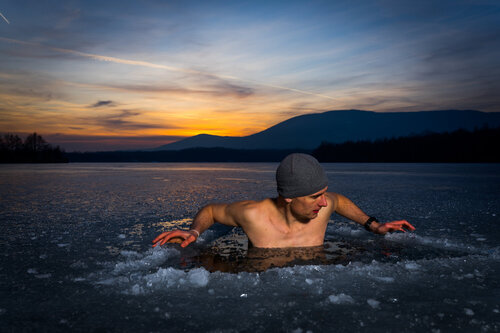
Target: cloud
[
  {"x": 121, "y": 121},
  {"x": 4, "y": 18},
  {"x": 141, "y": 63},
  {"x": 219, "y": 89},
  {"x": 102, "y": 103},
  {"x": 225, "y": 88}
]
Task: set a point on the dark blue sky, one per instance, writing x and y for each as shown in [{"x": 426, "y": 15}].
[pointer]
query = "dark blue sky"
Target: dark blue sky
[{"x": 108, "y": 74}]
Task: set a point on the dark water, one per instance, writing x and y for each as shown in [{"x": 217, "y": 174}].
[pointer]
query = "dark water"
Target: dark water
[{"x": 75, "y": 252}]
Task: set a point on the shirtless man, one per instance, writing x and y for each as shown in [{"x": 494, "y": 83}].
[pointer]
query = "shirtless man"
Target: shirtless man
[{"x": 298, "y": 217}]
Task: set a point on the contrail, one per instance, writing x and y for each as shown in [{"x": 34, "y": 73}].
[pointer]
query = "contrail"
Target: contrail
[
  {"x": 4, "y": 18},
  {"x": 168, "y": 68}
]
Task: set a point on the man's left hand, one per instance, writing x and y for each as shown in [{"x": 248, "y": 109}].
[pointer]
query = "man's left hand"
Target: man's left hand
[{"x": 402, "y": 225}]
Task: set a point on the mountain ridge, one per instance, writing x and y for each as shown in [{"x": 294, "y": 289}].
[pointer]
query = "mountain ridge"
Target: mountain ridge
[{"x": 310, "y": 130}]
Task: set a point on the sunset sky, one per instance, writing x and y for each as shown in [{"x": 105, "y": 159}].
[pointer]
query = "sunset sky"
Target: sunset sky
[{"x": 106, "y": 75}]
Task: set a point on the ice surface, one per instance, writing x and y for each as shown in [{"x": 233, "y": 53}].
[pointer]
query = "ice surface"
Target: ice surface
[
  {"x": 468, "y": 312},
  {"x": 43, "y": 276},
  {"x": 373, "y": 303},
  {"x": 341, "y": 299},
  {"x": 442, "y": 278}
]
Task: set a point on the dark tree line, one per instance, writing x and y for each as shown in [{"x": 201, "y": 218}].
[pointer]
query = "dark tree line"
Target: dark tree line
[
  {"x": 34, "y": 149},
  {"x": 185, "y": 155},
  {"x": 480, "y": 145}
]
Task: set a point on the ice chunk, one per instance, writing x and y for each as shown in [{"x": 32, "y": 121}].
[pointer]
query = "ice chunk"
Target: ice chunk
[
  {"x": 122, "y": 236},
  {"x": 63, "y": 244},
  {"x": 137, "y": 262},
  {"x": 32, "y": 271},
  {"x": 309, "y": 281},
  {"x": 412, "y": 266},
  {"x": 341, "y": 299},
  {"x": 373, "y": 303},
  {"x": 468, "y": 312},
  {"x": 137, "y": 290},
  {"x": 198, "y": 277}
]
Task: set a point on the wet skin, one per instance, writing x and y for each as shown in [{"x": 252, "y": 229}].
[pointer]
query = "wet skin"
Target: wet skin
[{"x": 281, "y": 222}]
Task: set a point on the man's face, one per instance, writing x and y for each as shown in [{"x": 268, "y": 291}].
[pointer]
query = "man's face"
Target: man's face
[{"x": 307, "y": 207}]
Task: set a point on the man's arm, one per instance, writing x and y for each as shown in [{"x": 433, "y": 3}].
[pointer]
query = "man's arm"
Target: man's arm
[
  {"x": 204, "y": 219},
  {"x": 347, "y": 208}
]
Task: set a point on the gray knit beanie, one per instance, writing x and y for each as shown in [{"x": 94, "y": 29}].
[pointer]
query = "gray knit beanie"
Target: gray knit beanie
[{"x": 299, "y": 175}]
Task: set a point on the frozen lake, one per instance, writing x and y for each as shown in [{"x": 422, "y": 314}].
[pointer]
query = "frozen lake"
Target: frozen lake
[{"x": 76, "y": 254}]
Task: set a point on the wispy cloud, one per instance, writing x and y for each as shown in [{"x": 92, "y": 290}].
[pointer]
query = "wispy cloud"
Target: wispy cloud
[
  {"x": 124, "y": 120},
  {"x": 220, "y": 89},
  {"x": 102, "y": 103},
  {"x": 165, "y": 67},
  {"x": 4, "y": 18}
]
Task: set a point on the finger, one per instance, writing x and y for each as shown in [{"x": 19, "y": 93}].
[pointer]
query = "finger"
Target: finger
[
  {"x": 394, "y": 228},
  {"x": 402, "y": 223},
  {"x": 160, "y": 236},
  {"x": 408, "y": 225},
  {"x": 173, "y": 234},
  {"x": 188, "y": 241},
  {"x": 399, "y": 223}
]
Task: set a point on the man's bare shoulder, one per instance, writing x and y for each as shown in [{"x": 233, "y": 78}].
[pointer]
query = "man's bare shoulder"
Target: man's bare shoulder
[
  {"x": 251, "y": 209},
  {"x": 332, "y": 199},
  {"x": 251, "y": 205}
]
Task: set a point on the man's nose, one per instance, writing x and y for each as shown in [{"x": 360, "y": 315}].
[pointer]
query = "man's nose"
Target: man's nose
[{"x": 322, "y": 201}]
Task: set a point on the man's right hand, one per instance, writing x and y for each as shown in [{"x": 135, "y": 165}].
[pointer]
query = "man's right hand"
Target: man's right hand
[{"x": 187, "y": 236}]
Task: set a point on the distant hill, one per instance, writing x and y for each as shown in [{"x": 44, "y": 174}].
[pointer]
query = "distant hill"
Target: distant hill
[
  {"x": 309, "y": 131},
  {"x": 478, "y": 146}
]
